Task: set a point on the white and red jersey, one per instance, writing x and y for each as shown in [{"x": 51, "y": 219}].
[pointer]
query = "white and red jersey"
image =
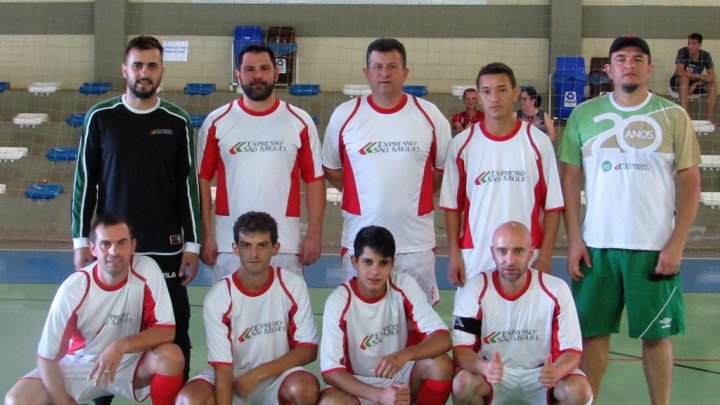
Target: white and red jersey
[
  {"x": 490, "y": 180},
  {"x": 245, "y": 329},
  {"x": 523, "y": 329},
  {"x": 388, "y": 157},
  {"x": 259, "y": 159},
  {"x": 358, "y": 331},
  {"x": 86, "y": 316}
]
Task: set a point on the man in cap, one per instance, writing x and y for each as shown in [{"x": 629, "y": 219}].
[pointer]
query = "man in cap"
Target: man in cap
[{"x": 629, "y": 145}]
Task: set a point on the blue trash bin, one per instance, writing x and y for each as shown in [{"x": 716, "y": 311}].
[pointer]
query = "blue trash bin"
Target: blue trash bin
[{"x": 569, "y": 82}]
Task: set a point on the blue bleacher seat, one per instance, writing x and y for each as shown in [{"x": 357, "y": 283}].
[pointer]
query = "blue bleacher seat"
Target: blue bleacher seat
[
  {"x": 62, "y": 154},
  {"x": 197, "y": 120},
  {"x": 95, "y": 87},
  {"x": 245, "y": 35},
  {"x": 418, "y": 91},
  {"x": 304, "y": 89},
  {"x": 4, "y": 86},
  {"x": 75, "y": 119},
  {"x": 41, "y": 191},
  {"x": 199, "y": 89}
]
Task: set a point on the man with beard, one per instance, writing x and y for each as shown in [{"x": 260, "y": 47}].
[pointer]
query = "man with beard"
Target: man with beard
[
  {"x": 630, "y": 146},
  {"x": 136, "y": 160},
  {"x": 258, "y": 149},
  {"x": 516, "y": 337}
]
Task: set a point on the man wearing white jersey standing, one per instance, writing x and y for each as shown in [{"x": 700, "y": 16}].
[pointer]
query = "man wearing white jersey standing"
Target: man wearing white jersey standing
[
  {"x": 629, "y": 145},
  {"x": 259, "y": 149},
  {"x": 501, "y": 169},
  {"x": 389, "y": 146}
]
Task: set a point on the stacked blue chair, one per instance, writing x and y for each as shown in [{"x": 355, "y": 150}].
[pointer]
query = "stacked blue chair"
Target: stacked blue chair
[
  {"x": 305, "y": 89},
  {"x": 199, "y": 89},
  {"x": 569, "y": 81},
  {"x": 4, "y": 86},
  {"x": 43, "y": 191},
  {"x": 197, "y": 120},
  {"x": 418, "y": 91},
  {"x": 95, "y": 87},
  {"x": 75, "y": 119},
  {"x": 245, "y": 35},
  {"x": 62, "y": 154}
]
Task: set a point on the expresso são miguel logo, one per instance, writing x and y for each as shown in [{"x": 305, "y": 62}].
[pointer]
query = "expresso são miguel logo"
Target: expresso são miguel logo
[
  {"x": 513, "y": 335},
  {"x": 258, "y": 146},
  {"x": 260, "y": 329},
  {"x": 376, "y": 338},
  {"x": 607, "y": 166},
  {"x": 389, "y": 147},
  {"x": 499, "y": 176}
]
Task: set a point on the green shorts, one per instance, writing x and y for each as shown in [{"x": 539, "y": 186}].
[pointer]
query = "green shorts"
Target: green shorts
[{"x": 620, "y": 277}]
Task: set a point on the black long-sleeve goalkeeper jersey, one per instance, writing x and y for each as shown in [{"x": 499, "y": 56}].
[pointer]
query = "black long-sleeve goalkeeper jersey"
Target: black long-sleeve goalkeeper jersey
[{"x": 141, "y": 165}]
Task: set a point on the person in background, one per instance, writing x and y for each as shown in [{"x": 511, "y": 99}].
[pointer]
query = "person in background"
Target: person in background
[
  {"x": 464, "y": 119},
  {"x": 530, "y": 101}
]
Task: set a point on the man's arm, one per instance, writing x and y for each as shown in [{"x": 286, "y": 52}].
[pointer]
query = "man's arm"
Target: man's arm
[
  {"x": 347, "y": 382},
  {"x": 224, "y": 391},
  {"x": 189, "y": 197},
  {"x": 335, "y": 177},
  {"x": 491, "y": 369},
  {"x": 209, "y": 251},
  {"x": 551, "y": 223},
  {"x": 437, "y": 179},
  {"x": 85, "y": 191},
  {"x": 311, "y": 247},
  {"x": 709, "y": 77},
  {"x": 110, "y": 358},
  {"x": 433, "y": 345},
  {"x": 456, "y": 265},
  {"x": 298, "y": 356},
  {"x": 53, "y": 381},
  {"x": 687, "y": 206},
  {"x": 551, "y": 372},
  {"x": 572, "y": 177}
]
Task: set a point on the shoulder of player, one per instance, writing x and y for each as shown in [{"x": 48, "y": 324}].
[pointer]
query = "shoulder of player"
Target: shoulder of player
[
  {"x": 146, "y": 266},
  {"x": 174, "y": 109},
  {"x": 105, "y": 105},
  {"x": 552, "y": 283},
  {"x": 292, "y": 281}
]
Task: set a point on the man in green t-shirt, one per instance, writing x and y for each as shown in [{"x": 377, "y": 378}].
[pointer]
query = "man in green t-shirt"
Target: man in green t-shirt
[{"x": 629, "y": 146}]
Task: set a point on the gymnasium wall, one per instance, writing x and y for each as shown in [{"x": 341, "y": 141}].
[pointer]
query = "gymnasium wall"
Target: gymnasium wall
[{"x": 60, "y": 41}]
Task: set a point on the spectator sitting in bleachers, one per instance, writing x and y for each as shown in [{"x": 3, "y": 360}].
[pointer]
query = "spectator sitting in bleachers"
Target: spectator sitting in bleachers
[
  {"x": 690, "y": 63},
  {"x": 471, "y": 115},
  {"x": 531, "y": 112}
]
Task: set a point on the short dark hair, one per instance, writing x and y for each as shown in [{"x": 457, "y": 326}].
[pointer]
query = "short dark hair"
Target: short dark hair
[
  {"x": 468, "y": 90},
  {"x": 376, "y": 238},
  {"x": 533, "y": 94},
  {"x": 253, "y": 222},
  {"x": 144, "y": 43},
  {"x": 496, "y": 68},
  {"x": 256, "y": 48},
  {"x": 696, "y": 36},
  {"x": 109, "y": 220},
  {"x": 385, "y": 45}
]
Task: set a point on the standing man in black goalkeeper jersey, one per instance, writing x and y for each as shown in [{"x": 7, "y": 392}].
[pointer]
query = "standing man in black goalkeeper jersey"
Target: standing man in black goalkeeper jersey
[{"x": 136, "y": 159}]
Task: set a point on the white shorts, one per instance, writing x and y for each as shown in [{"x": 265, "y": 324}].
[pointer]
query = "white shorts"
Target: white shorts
[
  {"x": 75, "y": 371},
  {"x": 402, "y": 377},
  {"x": 267, "y": 391},
  {"x": 521, "y": 386},
  {"x": 420, "y": 265},
  {"x": 229, "y": 262}
]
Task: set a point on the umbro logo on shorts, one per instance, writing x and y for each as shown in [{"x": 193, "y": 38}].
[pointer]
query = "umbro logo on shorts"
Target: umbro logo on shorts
[{"x": 665, "y": 322}]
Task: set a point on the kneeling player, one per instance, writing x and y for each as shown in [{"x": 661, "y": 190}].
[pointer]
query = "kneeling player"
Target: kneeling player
[
  {"x": 259, "y": 327},
  {"x": 524, "y": 324},
  {"x": 365, "y": 355},
  {"x": 109, "y": 330}
]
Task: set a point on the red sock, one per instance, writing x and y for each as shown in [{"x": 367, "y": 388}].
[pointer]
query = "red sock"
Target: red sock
[
  {"x": 433, "y": 392},
  {"x": 164, "y": 388}
]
